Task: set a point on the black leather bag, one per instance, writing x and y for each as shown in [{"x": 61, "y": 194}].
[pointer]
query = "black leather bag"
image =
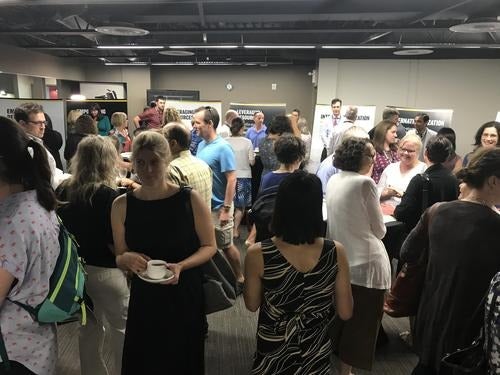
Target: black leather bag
[
  {"x": 470, "y": 360},
  {"x": 219, "y": 284},
  {"x": 219, "y": 281}
]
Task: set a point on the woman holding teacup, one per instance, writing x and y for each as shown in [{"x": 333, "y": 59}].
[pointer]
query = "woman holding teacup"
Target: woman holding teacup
[{"x": 160, "y": 221}]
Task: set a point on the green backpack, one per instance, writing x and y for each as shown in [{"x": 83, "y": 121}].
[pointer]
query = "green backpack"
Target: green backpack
[
  {"x": 66, "y": 285},
  {"x": 65, "y": 299}
]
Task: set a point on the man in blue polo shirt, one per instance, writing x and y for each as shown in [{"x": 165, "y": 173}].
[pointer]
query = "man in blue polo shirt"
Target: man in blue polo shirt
[
  {"x": 258, "y": 131},
  {"x": 219, "y": 155}
]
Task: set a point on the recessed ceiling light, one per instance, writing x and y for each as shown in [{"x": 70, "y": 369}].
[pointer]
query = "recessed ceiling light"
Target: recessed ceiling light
[
  {"x": 121, "y": 31},
  {"x": 476, "y": 27},
  {"x": 413, "y": 52},
  {"x": 176, "y": 53}
]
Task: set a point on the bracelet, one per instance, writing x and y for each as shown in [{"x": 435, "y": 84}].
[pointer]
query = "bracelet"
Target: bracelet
[{"x": 226, "y": 207}]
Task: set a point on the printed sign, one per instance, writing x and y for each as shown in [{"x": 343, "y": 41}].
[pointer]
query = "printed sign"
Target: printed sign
[
  {"x": 246, "y": 111},
  {"x": 438, "y": 118},
  {"x": 186, "y": 109}
]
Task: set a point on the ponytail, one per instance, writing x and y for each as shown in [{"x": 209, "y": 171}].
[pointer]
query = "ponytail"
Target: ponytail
[
  {"x": 24, "y": 161},
  {"x": 42, "y": 175}
]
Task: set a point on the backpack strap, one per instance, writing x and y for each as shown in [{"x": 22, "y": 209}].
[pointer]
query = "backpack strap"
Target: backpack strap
[{"x": 425, "y": 190}]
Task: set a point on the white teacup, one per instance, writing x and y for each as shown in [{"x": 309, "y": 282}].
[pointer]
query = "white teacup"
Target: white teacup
[{"x": 156, "y": 269}]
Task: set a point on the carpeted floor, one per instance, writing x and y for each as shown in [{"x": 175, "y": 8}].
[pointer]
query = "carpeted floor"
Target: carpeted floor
[{"x": 231, "y": 343}]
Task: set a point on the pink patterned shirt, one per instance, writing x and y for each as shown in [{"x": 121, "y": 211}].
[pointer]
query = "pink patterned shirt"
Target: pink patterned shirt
[
  {"x": 29, "y": 247},
  {"x": 381, "y": 162}
]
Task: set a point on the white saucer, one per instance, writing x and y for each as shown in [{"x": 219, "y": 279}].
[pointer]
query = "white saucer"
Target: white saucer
[
  {"x": 126, "y": 155},
  {"x": 144, "y": 276}
]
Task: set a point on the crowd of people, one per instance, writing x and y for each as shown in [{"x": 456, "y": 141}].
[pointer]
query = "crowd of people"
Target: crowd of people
[{"x": 317, "y": 269}]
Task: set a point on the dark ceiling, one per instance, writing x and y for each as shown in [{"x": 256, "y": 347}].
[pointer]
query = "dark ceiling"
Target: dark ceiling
[{"x": 357, "y": 29}]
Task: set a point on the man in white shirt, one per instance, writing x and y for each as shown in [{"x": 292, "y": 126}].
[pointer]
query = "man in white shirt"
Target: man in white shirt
[
  {"x": 421, "y": 121},
  {"x": 225, "y": 129},
  {"x": 329, "y": 124},
  {"x": 32, "y": 118}
]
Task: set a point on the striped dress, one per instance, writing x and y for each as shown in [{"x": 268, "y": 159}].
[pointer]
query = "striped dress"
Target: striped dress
[{"x": 292, "y": 332}]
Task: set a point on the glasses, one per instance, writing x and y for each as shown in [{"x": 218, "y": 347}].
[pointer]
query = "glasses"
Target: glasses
[
  {"x": 39, "y": 123},
  {"x": 408, "y": 151}
]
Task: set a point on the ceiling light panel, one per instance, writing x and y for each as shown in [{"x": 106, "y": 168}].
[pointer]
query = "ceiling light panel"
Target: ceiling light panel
[{"x": 133, "y": 46}]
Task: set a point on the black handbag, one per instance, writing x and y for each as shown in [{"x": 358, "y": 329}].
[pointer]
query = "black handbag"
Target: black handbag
[
  {"x": 219, "y": 284},
  {"x": 472, "y": 359},
  {"x": 219, "y": 281}
]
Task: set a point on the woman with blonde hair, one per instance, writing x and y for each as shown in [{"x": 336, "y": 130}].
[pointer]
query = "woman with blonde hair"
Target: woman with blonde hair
[
  {"x": 396, "y": 176},
  {"x": 87, "y": 197},
  {"x": 71, "y": 119},
  {"x": 385, "y": 140},
  {"x": 160, "y": 221},
  {"x": 171, "y": 114},
  {"x": 119, "y": 121}
]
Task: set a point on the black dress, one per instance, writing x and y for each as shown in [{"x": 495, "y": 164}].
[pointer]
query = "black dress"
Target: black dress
[
  {"x": 463, "y": 258},
  {"x": 165, "y": 323}
]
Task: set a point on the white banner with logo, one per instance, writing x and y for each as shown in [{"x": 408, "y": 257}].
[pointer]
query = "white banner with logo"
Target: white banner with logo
[
  {"x": 186, "y": 109},
  {"x": 323, "y": 117}
]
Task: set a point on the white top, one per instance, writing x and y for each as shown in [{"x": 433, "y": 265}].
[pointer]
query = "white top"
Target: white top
[
  {"x": 355, "y": 220},
  {"x": 223, "y": 130},
  {"x": 243, "y": 154},
  {"x": 392, "y": 176},
  {"x": 29, "y": 247}
]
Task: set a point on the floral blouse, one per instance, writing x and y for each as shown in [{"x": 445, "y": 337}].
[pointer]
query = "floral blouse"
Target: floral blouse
[
  {"x": 29, "y": 247},
  {"x": 382, "y": 160}
]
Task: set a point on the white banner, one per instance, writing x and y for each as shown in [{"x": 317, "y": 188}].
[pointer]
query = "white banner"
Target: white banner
[
  {"x": 323, "y": 115},
  {"x": 186, "y": 109},
  {"x": 54, "y": 108},
  {"x": 498, "y": 117}
]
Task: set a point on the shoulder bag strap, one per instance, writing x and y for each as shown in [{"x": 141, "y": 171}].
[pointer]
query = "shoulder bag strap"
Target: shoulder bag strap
[{"x": 425, "y": 190}]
